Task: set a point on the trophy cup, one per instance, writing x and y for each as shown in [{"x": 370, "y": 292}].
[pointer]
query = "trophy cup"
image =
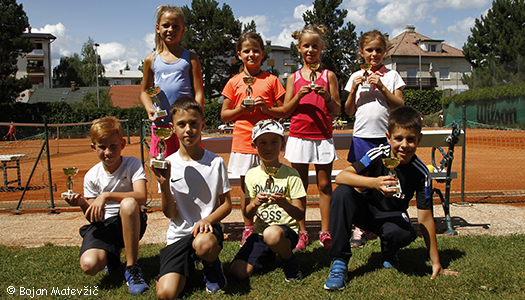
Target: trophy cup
[
  {"x": 313, "y": 76},
  {"x": 391, "y": 163},
  {"x": 153, "y": 92},
  {"x": 271, "y": 171},
  {"x": 69, "y": 172},
  {"x": 163, "y": 134},
  {"x": 365, "y": 86},
  {"x": 249, "y": 80}
]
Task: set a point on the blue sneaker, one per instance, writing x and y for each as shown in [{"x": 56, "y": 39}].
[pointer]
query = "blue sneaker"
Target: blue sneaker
[
  {"x": 390, "y": 263},
  {"x": 214, "y": 277},
  {"x": 336, "y": 279},
  {"x": 292, "y": 269},
  {"x": 135, "y": 280}
]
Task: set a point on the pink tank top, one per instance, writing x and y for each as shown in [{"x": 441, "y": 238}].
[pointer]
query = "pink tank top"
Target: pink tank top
[{"x": 311, "y": 120}]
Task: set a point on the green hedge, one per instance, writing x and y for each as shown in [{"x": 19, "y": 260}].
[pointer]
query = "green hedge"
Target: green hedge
[
  {"x": 426, "y": 102},
  {"x": 508, "y": 91}
]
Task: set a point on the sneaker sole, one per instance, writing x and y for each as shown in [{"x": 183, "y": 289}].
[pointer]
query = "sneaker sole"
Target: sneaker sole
[
  {"x": 333, "y": 288},
  {"x": 299, "y": 277}
]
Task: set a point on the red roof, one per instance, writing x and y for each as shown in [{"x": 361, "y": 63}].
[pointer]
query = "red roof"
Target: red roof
[
  {"x": 125, "y": 96},
  {"x": 405, "y": 45}
]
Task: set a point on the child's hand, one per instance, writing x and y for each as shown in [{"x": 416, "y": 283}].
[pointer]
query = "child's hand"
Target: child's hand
[
  {"x": 75, "y": 200},
  {"x": 151, "y": 116},
  {"x": 357, "y": 81},
  {"x": 278, "y": 198},
  {"x": 246, "y": 109},
  {"x": 162, "y": 175},
  {"x": 374, "y": 79},
  {"x": 95, "y": 211},
  {"x": 260, "y": 199},
  {"x": 383, "y": 183},
  {"x": 322, "y": 91},
  {"x": 305, "y": 89},
  {"x": 202, "y": 226},
  {"x": 437, "y": 269},
  {"x": 261, "y": 104}
]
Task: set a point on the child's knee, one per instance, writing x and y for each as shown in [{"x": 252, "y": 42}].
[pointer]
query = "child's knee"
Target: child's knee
[
  {"x": 205, "y": 243},
  {"x": 129, "y": 206},
  {"x": 238, "y": 269},
  {"x": 273, "y": 235}
]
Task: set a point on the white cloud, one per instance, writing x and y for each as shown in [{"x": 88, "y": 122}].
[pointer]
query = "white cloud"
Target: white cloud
[
  {"x": 149, "y": 41},
  {"x": 64, "y": 45},
  {"x": 461, "y": 4},
  {"x": 261, "y": 21},
  {"x": 300, "y": 10}
]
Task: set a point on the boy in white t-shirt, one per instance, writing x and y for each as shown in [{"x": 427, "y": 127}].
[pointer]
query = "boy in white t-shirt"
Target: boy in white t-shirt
[
  {"x": 195, "y": 197},
  {"x": 114, "y": 190},
  {"x": 278, "y": 203}
]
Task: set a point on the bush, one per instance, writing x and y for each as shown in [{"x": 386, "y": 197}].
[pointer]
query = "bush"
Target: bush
[
  {"x": 426, "y": 102},
  {"x": 508, "y": 91}
]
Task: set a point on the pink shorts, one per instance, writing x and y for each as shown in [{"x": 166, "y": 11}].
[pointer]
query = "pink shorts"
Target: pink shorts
[{"x": 172, "y": 144}]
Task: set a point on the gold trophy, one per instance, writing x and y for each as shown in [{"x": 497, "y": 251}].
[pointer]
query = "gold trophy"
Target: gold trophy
[
  {"x": 153, "y": 92},
  {"x": 271, "y": 171},
  {"x": 249, "y": 80},
  {"x": 163, "y": 134},
  {"x": 365, "y": 86},
  {"x": 69, "y": 172},
  {"x": 313, "y": 75},
  {"x": 391, "y": 163}
]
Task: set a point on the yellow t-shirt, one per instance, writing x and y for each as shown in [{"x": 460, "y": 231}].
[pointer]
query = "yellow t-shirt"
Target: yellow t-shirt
[{"x": 286, "y": 181}]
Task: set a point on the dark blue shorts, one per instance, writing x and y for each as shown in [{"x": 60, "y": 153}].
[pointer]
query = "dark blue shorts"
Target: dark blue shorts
[
  {"x": 258, "y": 254},
  {"x": 107, "y": 235},
  {"x": 180, "y": 257},
  {"x": 360, "y": 147}
]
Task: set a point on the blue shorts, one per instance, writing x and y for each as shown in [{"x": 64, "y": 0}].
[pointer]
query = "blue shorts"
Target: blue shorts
[
  {"x": 258, "y": 254},
  {"x": 360, "y": 147}
]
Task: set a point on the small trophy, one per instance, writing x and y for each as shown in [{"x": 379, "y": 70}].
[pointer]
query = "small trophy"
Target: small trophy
[
  {"x": 271, "y": 171},
  {"x": 391, "y": 163},
  {"x": 249, "y": 80},
  {"x": 153, "y": 92},
  {"x": 365, "y": 86},
  {"x": 163, "y": 134},
  {"x": 69, "y": 172},
  {"x": 313, "y": 76}
]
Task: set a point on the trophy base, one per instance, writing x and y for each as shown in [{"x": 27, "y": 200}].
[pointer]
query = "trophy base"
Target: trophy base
[
  {"x": 159, "y": 164},
  {"x": 312, "y": 85},
  {"x": 366, "y": 87},
  {"x": 160, "y": 114},
  {"x": 395, "y": 187},
  {"x": 248, "y": 101},
  {"x": 67, "y": 195}
]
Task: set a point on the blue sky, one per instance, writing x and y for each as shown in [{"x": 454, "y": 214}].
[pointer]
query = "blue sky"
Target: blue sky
[{"x": 125, "y": 29}]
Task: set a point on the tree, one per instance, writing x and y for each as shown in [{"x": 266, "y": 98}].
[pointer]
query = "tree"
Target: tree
[
  {"x": 496, "y": 47},
  {"x": 211, "y": 32},
  {"x": 89, "y": 61},
  {"x": 68, "y": 70},
  {"x": 339, "y": 54},
  {"x": 13, "y": 22},
  {"x": 90, "y": 100}
]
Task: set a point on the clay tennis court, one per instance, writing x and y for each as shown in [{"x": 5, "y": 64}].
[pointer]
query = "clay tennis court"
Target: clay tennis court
[{"x": 494, "y": 160}]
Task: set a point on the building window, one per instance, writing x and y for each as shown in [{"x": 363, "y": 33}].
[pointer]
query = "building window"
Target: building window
[
  {"x": 444, "y": 74},
  {"x": 432, "y": 48},
  {"x": 38, "y": 46},
  {"x": 411, "y": 72}
]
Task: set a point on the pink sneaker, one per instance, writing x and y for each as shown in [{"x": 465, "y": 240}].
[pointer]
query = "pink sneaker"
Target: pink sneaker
[
  {"x": 245, "y": 234},
  {"x": 325, "y": 239},
  {"x": 358, "y": 238},
  {"x": 303, "y": 241}
]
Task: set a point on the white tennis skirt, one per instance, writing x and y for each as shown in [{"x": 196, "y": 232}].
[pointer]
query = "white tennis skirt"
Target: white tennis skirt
[
  {"x": 304, "y": 151},
  {"x": 240, "y": 163}
]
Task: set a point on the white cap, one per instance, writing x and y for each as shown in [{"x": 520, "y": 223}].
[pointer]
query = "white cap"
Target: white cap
[{"x": 267, "y": 126}]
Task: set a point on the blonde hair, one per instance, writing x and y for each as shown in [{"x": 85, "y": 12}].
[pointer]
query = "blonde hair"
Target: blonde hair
[
  {"x": 161, "y": 10},
  {"x": 104, "y": 127},
  {"x": 372, "y": 36},
  {"x": 320, "y": 30}
]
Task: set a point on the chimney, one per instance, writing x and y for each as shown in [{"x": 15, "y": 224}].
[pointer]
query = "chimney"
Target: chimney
[
  {"x": 121, "y": 71},
  {"x": 411, "y": 29},
  {"x": 268, "y": 43},
  {"x": 72, "y": 85}
]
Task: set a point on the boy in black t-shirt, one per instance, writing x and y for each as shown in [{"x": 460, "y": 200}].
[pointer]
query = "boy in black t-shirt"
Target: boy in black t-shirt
[{"x": 380, "y": 207}]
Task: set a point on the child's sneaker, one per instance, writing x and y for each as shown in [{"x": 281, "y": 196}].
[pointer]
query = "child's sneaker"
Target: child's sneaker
[
  {"x": 336, "y": 279},
  {"x": 113, "y": 269},
  {"x": 245, "y": 234},
  {"x": 325, "y": 239},
  {"x": 358, "y": 238},
  {"x": 135, "y": 279},
  {"x": 303, "y": 240},
  {"x": 292, "y": 269},
  {"x": 390, "y": 263},
  {"x": 214, "y": 277}
]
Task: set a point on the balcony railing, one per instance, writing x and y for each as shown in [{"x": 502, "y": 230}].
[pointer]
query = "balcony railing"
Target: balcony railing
[
  {"x": 33, "y": 70},
  {"x": 426, "y": 82}
]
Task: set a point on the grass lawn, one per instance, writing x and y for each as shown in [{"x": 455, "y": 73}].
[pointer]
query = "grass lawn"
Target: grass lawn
[{"x": 490, "y": 268}]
